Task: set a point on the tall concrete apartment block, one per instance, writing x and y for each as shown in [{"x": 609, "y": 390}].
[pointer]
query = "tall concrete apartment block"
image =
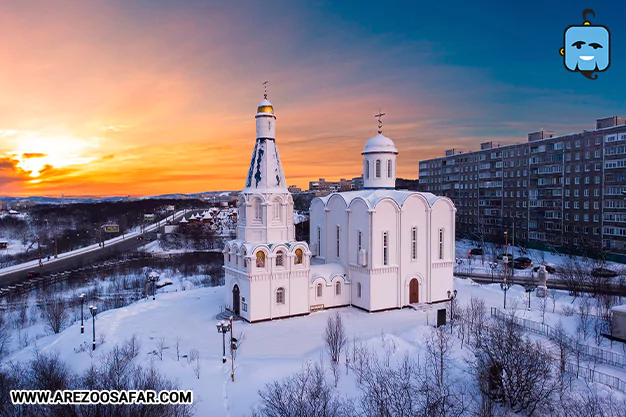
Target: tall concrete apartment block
[{"x": 555, "y": 191}]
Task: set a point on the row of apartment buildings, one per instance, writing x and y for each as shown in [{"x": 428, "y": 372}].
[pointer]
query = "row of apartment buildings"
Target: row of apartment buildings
[{"x": 553, "y": 191}]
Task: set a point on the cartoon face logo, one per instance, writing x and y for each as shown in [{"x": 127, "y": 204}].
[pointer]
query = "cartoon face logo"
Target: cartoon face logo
[{"x": 587, "y": 48}]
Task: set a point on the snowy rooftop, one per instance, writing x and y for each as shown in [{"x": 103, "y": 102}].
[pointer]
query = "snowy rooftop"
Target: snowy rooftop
[
  {"x": 372, "y": 197},
  {"x": 379, "y": 143}
]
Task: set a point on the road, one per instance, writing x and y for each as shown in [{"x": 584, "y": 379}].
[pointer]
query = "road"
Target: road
[
  {"x": 552, "y": 283},
  {"x": 83, "y": 256}
]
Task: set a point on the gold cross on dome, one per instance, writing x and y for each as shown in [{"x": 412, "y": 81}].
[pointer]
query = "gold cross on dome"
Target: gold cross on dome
[
  {"x": 265, "y": 88},
  {"x": 380, "y": 122}
]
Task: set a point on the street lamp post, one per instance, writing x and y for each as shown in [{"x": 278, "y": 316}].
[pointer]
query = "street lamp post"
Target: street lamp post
[
  {"x": 529, "y": 290},
  {"x": 82, "y": 315},
  {"x": 505, "y": 287},
  {"x": 451, "y": 296},
  {"x": 94, "y": 311},
  {"x": 223, "y": 327}
]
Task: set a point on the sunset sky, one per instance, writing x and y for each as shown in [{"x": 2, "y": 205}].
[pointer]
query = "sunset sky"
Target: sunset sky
[{"x": 146, "y": 97}]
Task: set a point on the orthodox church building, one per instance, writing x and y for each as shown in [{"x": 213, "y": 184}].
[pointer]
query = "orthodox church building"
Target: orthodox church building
[{"x": 375, "y": 249}]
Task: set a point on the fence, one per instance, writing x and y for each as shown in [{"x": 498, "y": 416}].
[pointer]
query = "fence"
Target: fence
[{"x": 595, "y": 354}]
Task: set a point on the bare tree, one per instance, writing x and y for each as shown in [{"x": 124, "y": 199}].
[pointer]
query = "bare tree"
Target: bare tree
[
  {"x": 196, "y": 367},
  {"x": 553, "y": 294},
  {"x": 511, "y": 369},
  {"x": 584, "y": 320},
  {"x": 335, "y": 337},
  {"x": 177, "y": 348},
  {"x": 161, "y": 346},
  {"x": 54, "y": 313},
  {"x": 5, "y": 336},
  {"x": 307, "y": 393}
]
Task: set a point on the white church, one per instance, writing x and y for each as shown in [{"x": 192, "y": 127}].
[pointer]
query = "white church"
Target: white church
[{"x": 374, "y": 249}]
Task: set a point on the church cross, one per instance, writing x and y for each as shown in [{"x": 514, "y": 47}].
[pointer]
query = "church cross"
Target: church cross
[
  {"x": 380, "y": 122},
  {"x": 265, "y": 88}
]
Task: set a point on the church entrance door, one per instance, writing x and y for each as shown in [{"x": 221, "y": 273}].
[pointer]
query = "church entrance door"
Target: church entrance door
[
  {"x": 236, "y": 300},
  {"x": 414, "y": 291}
]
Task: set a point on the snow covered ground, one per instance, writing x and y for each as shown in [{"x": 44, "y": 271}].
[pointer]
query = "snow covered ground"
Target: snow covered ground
[{"x": 272, "y": 350}]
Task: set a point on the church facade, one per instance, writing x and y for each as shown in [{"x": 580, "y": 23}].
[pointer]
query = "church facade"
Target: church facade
[{"x": 375, "y": 249}]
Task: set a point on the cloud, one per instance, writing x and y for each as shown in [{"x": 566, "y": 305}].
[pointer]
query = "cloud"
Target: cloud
[{"x": 33, "y": 155}]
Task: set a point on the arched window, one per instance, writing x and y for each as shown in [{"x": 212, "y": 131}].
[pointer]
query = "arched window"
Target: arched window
[
  {"x": 378, "y": 168},
  {"x": 276, "y": 210},
  {"x": 338, "y": 288},
  {"x": 358, "y": 289},
  {"x": 359, "y": 244},
  {"x": 257, "y": 209},
  {"x": 242, "y": 210},
  {"x": 260, "y": 259},
  {"x": 319, "y": 290},
  {"x": 338, "y": 236},
  {"x": 298, "y": 259},
  {"x": 367, "y": 170},
  {"x": 388, "y": 168},
  {"x": 280, "y": 296},
  {"x": 319, "y": 241},
  {"x": 245, "y": 261},
  {"x": 441, "y": 243},
  {"x": 279, "y": 258},
  {"x": 229, "y": 258},
  {"x": 385, "y": 248},
  {"x": 414, "y": 243}
]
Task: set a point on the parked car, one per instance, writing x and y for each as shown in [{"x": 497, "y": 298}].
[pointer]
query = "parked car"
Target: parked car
[
  {"x": 139, "y": 237},
  {"x": 33, "y": 274},
  {"x": 603, "y": 272},
  {"x": 501, "y": 256},
  {"x": 476, "y": 251},
  {"x": 549, "y": 268},
  {"x": 524, "y": 260}
]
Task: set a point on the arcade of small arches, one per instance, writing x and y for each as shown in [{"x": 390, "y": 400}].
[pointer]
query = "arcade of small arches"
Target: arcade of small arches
[{"x": 280, "y": 254}]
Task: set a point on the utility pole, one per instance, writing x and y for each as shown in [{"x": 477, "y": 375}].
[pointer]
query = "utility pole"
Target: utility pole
[{"x": 232, "y": 351}]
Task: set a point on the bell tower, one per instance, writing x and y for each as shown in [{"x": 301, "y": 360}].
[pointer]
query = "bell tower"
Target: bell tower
[{"x": 267, "y": 212}]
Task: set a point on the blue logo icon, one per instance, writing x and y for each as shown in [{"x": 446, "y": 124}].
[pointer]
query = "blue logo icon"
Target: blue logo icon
[{"x": 587, "y": 48}]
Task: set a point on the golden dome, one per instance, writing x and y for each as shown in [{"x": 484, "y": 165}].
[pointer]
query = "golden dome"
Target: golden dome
[{"x": 265, "y": 109}]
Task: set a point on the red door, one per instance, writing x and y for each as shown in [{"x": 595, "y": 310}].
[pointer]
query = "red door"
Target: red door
[{"x": 414, "y": 291}]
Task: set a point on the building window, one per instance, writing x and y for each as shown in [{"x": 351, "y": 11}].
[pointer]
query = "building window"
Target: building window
[
  {"x": 389, "y": 168},
  {"x": 440, "y": 243},
  {"x": 319, "y": 290},
  {"x": 338, "y": 236},
  {"x": 257, "y": 209},
  {"x": 298, "y": 259},
  {"x": 338, "y": 288},
  {"x": 358, "y": 289},
  {"x": 276, "y": 207},
  {"x": 367, "y": 170},
  {"x": 414, "y": 243},
  {"x": 280, "y": 296},
  {"x": 378, "y": 168},
  {"x": 279, "y": 259},
  {"x": 319, "y": 241},
  {"x": 260, "y": 259},
  {"x": 245, "y": 261},
  {"x": 229, "y": 258},
  {"x": 385, "y": 248}
]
